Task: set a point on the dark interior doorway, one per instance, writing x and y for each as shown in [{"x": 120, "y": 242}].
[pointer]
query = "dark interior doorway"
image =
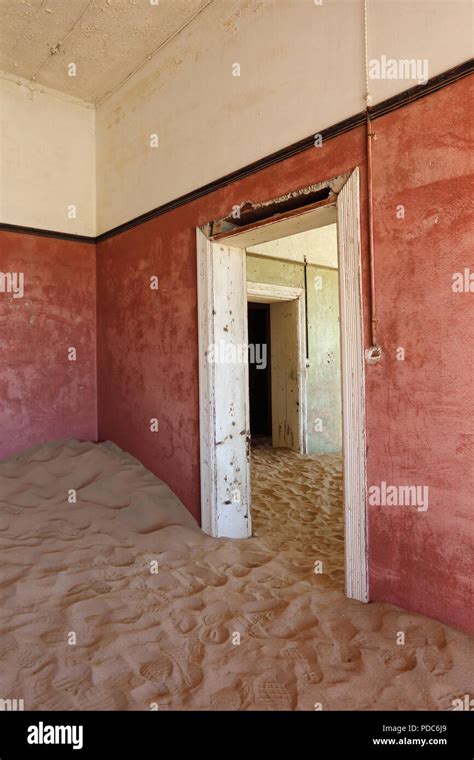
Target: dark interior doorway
[{"x": 260, "y": 372}]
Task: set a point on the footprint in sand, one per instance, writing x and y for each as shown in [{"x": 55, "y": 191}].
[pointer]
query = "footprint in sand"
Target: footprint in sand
[
  {"x": 157, "y": 670},
  {"x": 121, "y": 558},
  {"x": 95, "y": 621},
  {"x": 195, "y": 649},
  {"x": 172, "y": 672},
  {"x": 400, "y": 660},
  {"x": 126, "y": 616},
  {"x": 431, "y": 633},
  {"x": 74, "y": 679},
  {"x": 239, "y": 571},
  {"x": 216, "y": 634},
  {"x": 100, "y": 698},
  {"x": 348, "y": 654},
  {"x": 55, "y": 637},
  {"x": 209, "y": 577},
  {"x": 436, "y": 661},
  {"x": 217, "y": 615},
  {"x": 227, "y": 699},
  {"x": 306, "y": 661},
  {"x": 273, "y": 695},
  {"x": 183, "y": 621},
  {"x": 32, "y": 658}
]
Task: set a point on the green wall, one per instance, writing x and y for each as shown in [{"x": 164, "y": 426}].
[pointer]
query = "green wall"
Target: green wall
[{"x": 323, "y": 378}]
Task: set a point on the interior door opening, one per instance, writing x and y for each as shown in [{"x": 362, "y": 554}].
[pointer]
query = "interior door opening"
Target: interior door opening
[
  {"x": 260, "y": 383},
  {"x": 295, "y": 394},
  {"x": 313, "y": 344}
]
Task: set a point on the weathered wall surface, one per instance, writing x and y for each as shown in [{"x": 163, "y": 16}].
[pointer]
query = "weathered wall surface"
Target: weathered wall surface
[
  {"x": 43, "y": 395},
  {"x": 323, "y": 375},
  {"x": 418, "y": 418},
  {"x": 420, "y": 410},
  {"x": 47, "y": 160},
  {"x": 318, "y": 246},
  {"x": 271, "y": 272},
  {"x": 147, "y": 349},
  {"x": 301, "y": 70}
]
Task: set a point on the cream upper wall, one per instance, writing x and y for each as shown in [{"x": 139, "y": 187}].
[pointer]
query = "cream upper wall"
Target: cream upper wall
[
  {"x": 317, "y": 246},
  {"x": 47, "y": 159},
  {"x": 302, "y": 69}
]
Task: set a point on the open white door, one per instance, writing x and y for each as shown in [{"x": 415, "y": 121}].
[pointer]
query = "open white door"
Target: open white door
[
  {"x": 223, "y": 381},
  {"x": 353, "y": 387},
  {"x": 285, "y": 375}
]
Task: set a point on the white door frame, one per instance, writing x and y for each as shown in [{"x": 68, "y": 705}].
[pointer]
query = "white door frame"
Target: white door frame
[
  {"x": 353, "y": 390},
  {"x": 224, "y": 415},
  {"x": 352, "y": 372},
  {"x": 267, "y": 293}
]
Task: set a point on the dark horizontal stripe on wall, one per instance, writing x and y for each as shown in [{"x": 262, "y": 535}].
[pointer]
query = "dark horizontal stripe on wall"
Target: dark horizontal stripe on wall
[
  {"x": 262, "y": 163},
  {"x": 381, "y": 109},
  {"x": 391, "y": 104},
  {"x": 47, "y": 233},
  {"x": 421, "y": 90}
]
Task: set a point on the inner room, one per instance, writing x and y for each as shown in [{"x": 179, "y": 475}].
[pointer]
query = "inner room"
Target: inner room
[{"x": 295, "y": 393}]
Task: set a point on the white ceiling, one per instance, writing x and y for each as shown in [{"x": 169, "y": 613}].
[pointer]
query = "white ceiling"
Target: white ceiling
[{"x": 107, "y": 40}]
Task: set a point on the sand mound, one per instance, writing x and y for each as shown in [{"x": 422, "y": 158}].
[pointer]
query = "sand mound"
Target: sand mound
[{"x": 88, "y": 623}]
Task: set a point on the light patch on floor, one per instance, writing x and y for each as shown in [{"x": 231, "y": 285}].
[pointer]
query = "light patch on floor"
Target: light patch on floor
[
  {"x": 297, "y": 507},
  {"x": 168, "y": 640}
]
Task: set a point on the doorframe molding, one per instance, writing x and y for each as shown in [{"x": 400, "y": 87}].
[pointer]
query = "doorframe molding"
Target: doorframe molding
[
  {"x": 206, "y": 383},
  {"x": 347, "y": 204},
  {"x": 220, "y": 515},
  {"x": 271, "y": 293},
  {"x": 353, "y": 389}
]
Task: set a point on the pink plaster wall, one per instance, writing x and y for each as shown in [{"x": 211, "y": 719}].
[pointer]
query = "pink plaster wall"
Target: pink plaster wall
[
  {"x": 419, "y": 428},
  {"x": 43, "y": 396},
  {"x": 420, "y": 411}
]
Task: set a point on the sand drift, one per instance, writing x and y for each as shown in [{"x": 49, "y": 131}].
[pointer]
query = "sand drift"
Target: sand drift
[{"x": 112, "y": 598}]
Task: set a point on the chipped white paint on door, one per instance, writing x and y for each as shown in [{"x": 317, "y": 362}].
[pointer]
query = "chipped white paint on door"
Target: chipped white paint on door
[
  {"x": 285, "y": 375},
  {"x": 223, "y": 380},
  {"x": 353, "y": 387}
]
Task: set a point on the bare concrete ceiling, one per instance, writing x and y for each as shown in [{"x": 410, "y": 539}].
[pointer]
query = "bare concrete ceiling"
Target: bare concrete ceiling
[{"x": 107, "y": 40}]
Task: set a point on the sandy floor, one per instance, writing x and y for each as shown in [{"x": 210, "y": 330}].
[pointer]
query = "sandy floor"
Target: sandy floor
[{"x": 167, "y": 639}]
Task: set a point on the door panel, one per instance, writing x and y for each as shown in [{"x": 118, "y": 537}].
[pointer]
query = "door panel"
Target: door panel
[
  {"x": 224, "y": 412},
  {"x": 285, "y": 375}
]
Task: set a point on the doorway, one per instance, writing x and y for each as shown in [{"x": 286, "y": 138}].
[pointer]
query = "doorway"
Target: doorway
[
  {"x": 224, "y": 398},
  {"x": 260, "y": 382},
  {"x": 285, "y": 359}
]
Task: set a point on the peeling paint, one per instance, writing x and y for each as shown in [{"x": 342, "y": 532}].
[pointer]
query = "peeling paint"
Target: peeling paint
[{"x": 106, "y": 40}]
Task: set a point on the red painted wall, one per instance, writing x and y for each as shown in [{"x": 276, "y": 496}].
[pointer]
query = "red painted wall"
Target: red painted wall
[
  {"x": 418, "y": 422},
  {"x": 147, "y": 340},
  {"x": 420, "y": 411},
  {"x": 43, "y": 396}
]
